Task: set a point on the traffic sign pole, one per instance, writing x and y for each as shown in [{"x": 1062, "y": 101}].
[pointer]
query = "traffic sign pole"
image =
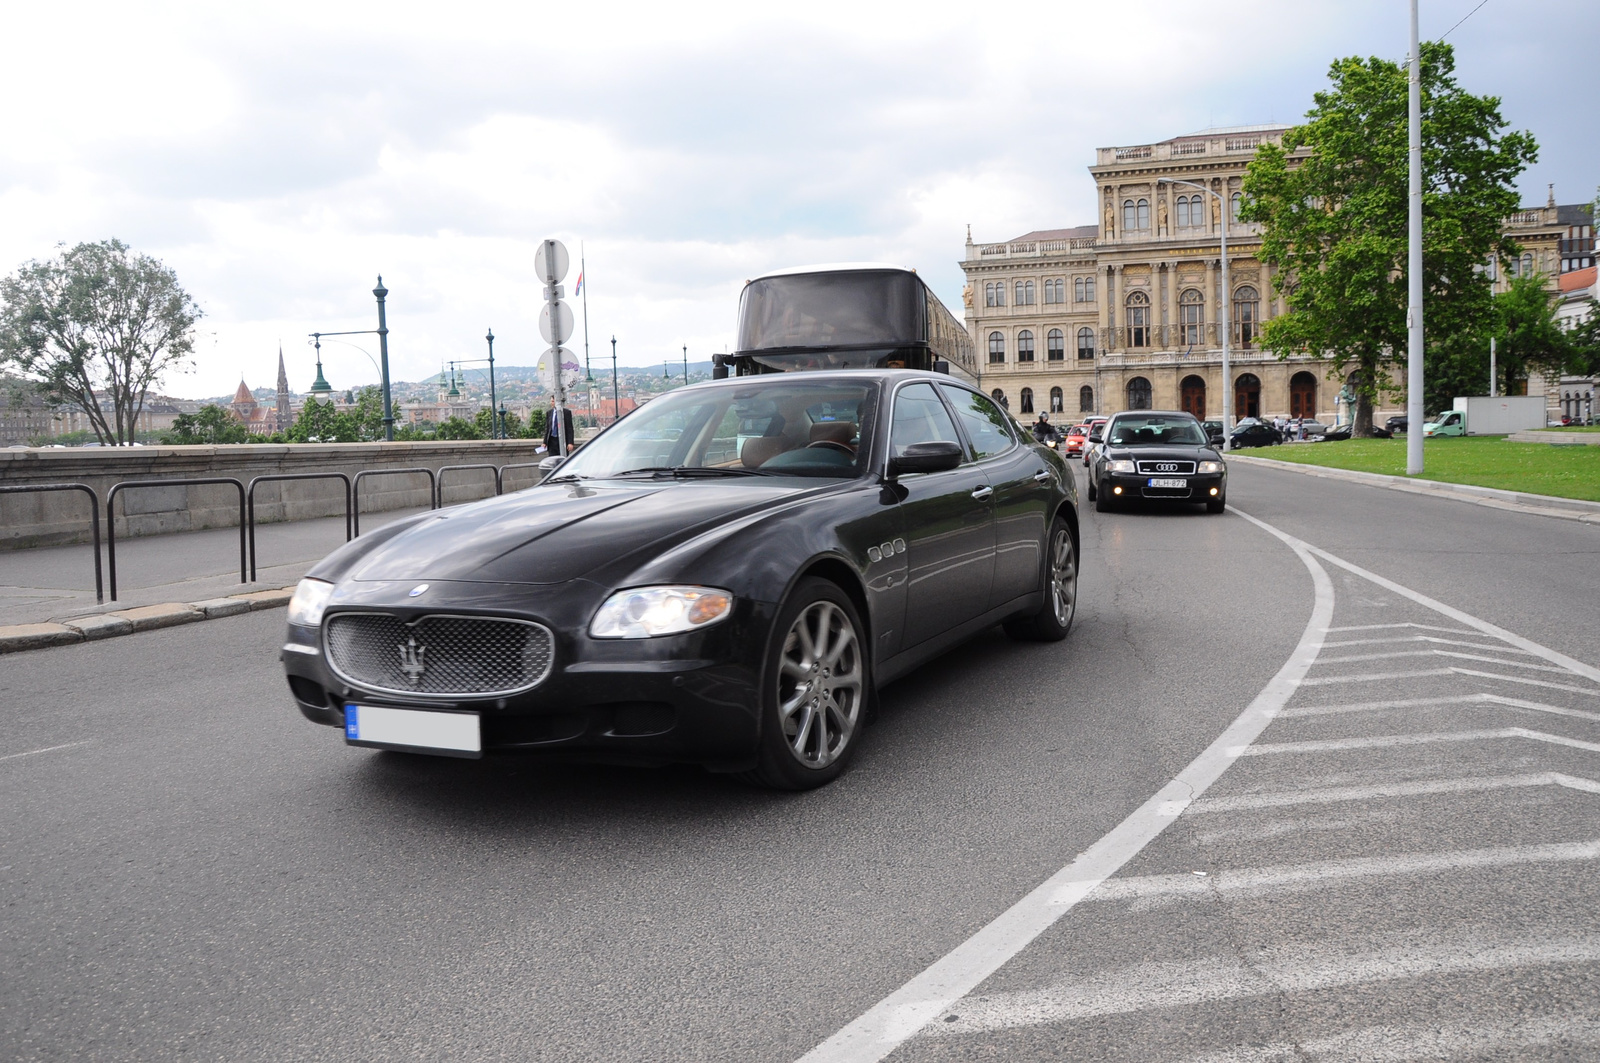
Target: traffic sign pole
[{"x": 555, "y": 325}]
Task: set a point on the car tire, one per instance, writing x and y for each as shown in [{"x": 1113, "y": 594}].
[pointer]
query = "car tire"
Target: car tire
[
  {"x": 1059, "y": 584},
  {"x": 1216, "y": 505},
  {"x": 1091, "y": 491},
  {"x": 825, "y": 694},
  {"x": 1102, "y": 502}
]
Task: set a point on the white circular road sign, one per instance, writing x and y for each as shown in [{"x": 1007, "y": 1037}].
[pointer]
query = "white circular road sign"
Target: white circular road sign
[
  {"x": 551, "y": 262},
  {"x": 561, "y": 331}
]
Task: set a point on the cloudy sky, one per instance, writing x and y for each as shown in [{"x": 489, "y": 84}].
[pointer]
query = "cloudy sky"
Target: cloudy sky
[{"x": 280, "y": 156}]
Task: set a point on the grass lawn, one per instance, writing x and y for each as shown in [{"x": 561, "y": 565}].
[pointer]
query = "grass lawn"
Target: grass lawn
[
  {"x": 1573, "y": 428},
  {"x": 1485, "y": 461}
]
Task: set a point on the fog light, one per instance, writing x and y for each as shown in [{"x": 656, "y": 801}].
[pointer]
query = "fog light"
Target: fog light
[
  {"x": 1116, "y": 490},
  {"x": 1213, "y": 490}
]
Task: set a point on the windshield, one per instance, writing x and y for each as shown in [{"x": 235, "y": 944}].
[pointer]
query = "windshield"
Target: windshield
[
  {"x": 763, "y": 427},
  {"x": 836, "y": 308},
  {"x": 1156, "y": 430}
]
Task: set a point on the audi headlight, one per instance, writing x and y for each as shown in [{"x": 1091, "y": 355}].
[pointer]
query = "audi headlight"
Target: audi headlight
[
  {"x": 310, "y": 599},
  {"x": 1210, "y": 466},
  {"x": 1120, "y": 465},
  {"x": 645, "y": 612}
]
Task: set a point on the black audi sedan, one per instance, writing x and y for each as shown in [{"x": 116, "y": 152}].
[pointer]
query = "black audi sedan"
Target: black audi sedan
[
  {"x": 1157, "y": 454},
  {"x": 724, "y": 577}
]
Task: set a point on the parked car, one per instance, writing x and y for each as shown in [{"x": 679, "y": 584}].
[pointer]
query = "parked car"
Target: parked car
[
  {"x": 1213, "y": 431},
  {"x": 645, "y": 605},
  {"x": 1254, "y": 434},
  {"x": 1157, "y": 454},
  {"x": 1314, "y": 429},
  {"x": 1395, "y": 424}
]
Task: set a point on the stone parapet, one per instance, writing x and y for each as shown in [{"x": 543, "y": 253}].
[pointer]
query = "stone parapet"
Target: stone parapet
[{"x": 60, "y": 517}]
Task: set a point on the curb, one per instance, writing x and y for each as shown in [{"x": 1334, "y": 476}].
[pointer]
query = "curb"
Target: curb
[
  {"x": 19, "y": 637},
  {"x": 1515, "y": 501}
]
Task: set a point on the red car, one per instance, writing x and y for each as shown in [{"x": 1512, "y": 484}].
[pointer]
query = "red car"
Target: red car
[{"x": 1073, "y": 442}]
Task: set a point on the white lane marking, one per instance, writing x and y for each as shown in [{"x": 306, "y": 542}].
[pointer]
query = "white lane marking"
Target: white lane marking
[
  {"x": 1330, "y": 874},
  {"x": 1374, "y": 677},
  {"x": 1462, "y": 700},
  {"x": 1378, "y": 791},
  {"x": 1384, "y": 741},
  {"x": 1407, "y": 1044},
  {"x": 1153, "y": 986},
  {"x": 46, "y": 749},
  {"x": 1525, "y": 682},
  {"x": 898, "y": 1016},
  {"x": 1422, "y": 638},
  {"x": 1322, "y": 661},
  {"x": 1390, "y": 627}
]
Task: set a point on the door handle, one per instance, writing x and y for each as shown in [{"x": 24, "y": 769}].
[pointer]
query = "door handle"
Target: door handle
[
  {"x": 982, "y": 493},
  {"x": 1042, "y": 476}
]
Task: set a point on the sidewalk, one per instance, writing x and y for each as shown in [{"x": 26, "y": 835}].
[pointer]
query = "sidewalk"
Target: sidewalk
[{"x": 56, "y": 583}]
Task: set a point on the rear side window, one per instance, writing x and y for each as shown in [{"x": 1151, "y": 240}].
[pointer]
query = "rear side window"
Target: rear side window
[{"x": 986, "y": 423}]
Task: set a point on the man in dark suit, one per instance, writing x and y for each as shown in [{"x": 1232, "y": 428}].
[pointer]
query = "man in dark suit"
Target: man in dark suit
[{"x": 551, "y": 444}]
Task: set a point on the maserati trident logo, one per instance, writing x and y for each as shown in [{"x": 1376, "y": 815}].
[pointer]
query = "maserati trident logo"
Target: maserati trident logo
[{"x": 411, "y": 662}]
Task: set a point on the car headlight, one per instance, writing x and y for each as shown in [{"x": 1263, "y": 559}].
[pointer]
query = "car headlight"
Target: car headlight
[
  {"x": 1210, "y": 467},
  {"x": 1120, "y": 465},
  {"x": 310, "y": 599},
  {"x": 645, "y": 612}
]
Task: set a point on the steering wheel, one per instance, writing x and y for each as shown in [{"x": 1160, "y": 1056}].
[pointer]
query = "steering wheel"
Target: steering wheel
[{"x": 831, "y": 444}]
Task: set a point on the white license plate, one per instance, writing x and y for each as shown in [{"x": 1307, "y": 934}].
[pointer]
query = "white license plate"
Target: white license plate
[
  {"x": 452, "y": 733},
  {"x": 1169, "y": 483}
]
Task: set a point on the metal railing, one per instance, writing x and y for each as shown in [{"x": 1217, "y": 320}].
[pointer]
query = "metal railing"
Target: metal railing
[
  {"x": 519, "y": 465},
  {"x": 250, "y": 505},
  {"x": 125, "y": 485},
  {"x": 459, "y": 468},
  {"x": 355, "y": 488},
  {"x": 94, "y": 522}
]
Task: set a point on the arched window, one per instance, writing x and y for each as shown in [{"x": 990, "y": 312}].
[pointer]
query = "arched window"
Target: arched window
[
  {"x": 1144, "y": 214},
  {"x": 1129, "y": 215},
  {"x": 1057, "y": 403},
  {"x": 1061, "y": 289},
  {"x": 994, "y": 294},
  {"x": 1086, "y": 399},
  {"x": 1139, "y": 323},
  {"x": 1246, "y": 314},
  {"x": 997, "y": 349},
  {"x": 1238, "y": 201},
  {"x": 1191, "y": 316},
  {"x": 1055, "y": 344},
  {"x": 1000, "y": 397},
  {"x": 1138, "y": 393},
  {"x": 1183, "y": 212},
  {"x": 1025, "y": 403},
  {"x": 1527, "y": 266},
  {"x": 1025, "y": 346},
  {"x": 1077, "y": 289},
  {"x": 1086, "y": 344}
]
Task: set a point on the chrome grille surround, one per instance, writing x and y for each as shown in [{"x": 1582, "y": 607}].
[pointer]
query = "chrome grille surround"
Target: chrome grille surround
[
  {"x": 1165, "y": 467},
  {"x": 462, "y": 656}
]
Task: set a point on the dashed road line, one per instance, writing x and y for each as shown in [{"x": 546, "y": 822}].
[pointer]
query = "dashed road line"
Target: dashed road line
[{"x": 46, "y": 749}]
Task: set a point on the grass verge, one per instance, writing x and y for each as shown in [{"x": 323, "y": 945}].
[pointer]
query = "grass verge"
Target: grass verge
[{"x": 1484, "y": 461}]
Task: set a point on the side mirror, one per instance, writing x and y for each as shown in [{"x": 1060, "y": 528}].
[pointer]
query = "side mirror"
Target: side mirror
[
  {"x": 550, "y": 465},
  {"x": 1096, "y": 436},
  {"x": 925, "y": 457}
]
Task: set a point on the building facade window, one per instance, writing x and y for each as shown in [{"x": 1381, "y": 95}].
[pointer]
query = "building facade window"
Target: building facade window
[
  {"x": 1055, "y": 344},
  {"x": 1138, "y": 393},
  {"x": 1077, "y": 289},
  {"x": 1139, "y": 323},
  {"x": 1025, "y": 401},
  {"x": 1025, "y": 346},
  {"x": 1055, "y": 290},
  {"x": 1086, "y": 399},
  {"x": 1246, "y": 314},
  {"x": 1234, "y": 205},
  {"x": 1057, "y": 402},
  {"x": 1024, "y": 293},
  {"x": 1191, "y": 315},
  {"x": 1086, "y": 344},
  {"x": 997, "y": 349},
  {"x": 1135, "y": 214},
  {"x": 994, "y": 293},
  {"x": 1182, "y": 211},
  {"x": 1000, "y": 397}
]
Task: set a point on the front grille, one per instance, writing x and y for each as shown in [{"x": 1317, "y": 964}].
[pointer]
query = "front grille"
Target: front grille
[
  {"x": 1160, "y": 467},
  {"x": 439, "y": 656}
]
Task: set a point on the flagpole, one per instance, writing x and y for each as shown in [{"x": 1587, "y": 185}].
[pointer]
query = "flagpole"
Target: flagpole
[{"x": 588, "y": 373}]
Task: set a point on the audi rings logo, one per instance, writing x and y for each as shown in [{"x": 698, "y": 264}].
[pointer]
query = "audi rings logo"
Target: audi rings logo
[{"x": 1167, "y": 466}]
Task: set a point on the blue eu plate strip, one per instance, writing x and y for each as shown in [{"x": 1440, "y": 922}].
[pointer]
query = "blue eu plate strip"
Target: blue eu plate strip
[{"x": 352, "y": 723}]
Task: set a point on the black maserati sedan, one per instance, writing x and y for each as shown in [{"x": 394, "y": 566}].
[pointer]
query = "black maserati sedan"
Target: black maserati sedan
[
  {"x": 1159, "y": 455},
  {"x": 724, "y": 577}
]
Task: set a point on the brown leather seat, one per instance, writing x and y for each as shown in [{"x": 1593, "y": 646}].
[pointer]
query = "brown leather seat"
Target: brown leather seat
[
  {"x": 758, "y": 450},
  {"x": 833, "y": 432}
]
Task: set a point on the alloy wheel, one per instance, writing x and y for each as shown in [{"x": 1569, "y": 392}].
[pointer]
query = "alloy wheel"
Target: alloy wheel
[
  {"x": 820, "y": 684},
  {"x": 1063, "y": 577}
]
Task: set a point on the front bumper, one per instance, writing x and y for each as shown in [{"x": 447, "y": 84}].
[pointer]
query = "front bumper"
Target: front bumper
[
  {"x": 680, "y": 698},
  {"x": 1197, "y": 487}
]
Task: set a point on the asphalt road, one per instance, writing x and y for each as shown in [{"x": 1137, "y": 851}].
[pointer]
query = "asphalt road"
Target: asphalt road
[{"x": 1396, "y": 868}]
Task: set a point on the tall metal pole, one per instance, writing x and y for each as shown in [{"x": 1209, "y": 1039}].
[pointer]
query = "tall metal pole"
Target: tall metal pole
[
  {"x": 494, "y": 432},
  {"x": 686, "y": 364},
  {"x": 616, "y": 400},
  {"x": 588, "y": 371},
  {"x": 553, "y": 298},
  {"x": 1414, "y": 265},
  {"x": 1228, "y": 411},
  {"x": 1494, "y": 375},
  {"x": 383, "y": 355}
]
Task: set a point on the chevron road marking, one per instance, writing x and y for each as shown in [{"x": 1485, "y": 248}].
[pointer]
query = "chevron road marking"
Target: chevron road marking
[
  {"x": 1442, "y": 653},
  {"x": 1408, "y": 1044},
  {"x": 1373, "y": 677},
  {"x": 1384, "y": 741},
  {"x": 1333, "y": 794},
  {"x": 1391, "y": 627},
  {"x": 1475, "y": 698},
  {"x": 1423, "y": 638}
]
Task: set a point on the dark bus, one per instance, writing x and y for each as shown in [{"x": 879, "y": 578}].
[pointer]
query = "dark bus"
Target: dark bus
[{"x": 846, "y": 317}]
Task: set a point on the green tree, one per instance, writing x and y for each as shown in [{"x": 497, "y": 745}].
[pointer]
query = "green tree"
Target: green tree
[
  {"x": 97, "y": 324},
  {"x": 1334, "y": 223},
  {"x": 457, "y": 428},
  {"x": 486, "y": 417},
  {"x": 320, "y": 422},
  {"x": 210, "y": 424},
  {"x": 367, "y": 414},
  {"x": 1583, "y": 343},
  {"x": 1529, "y": 335}
]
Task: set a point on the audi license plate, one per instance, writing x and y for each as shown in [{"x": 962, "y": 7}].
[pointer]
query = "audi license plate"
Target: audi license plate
[
  {"x": 1169, "y": 483},
  {"x": 451, "y": 734}
]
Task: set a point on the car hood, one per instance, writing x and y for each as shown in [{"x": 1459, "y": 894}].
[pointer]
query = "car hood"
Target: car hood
[
  {"x": 1170, "y": 453},
  {"x": 559, "y": 532}
]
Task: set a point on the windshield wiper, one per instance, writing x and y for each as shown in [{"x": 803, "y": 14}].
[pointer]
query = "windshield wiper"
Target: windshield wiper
[{"x": 689, "y": 471}]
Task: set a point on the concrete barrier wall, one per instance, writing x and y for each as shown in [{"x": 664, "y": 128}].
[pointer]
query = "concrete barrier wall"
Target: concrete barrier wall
[{"x": 60, "y": 517}]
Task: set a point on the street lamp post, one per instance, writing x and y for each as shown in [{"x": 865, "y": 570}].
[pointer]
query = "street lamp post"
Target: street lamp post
[
  {"x": 493, "y": 434},
  {"x": 1227, "y": 298},
  {"x": 616, "y": 394},
  {"x": 686, "y": 364},
  {"x": 383, "y": 355}
]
